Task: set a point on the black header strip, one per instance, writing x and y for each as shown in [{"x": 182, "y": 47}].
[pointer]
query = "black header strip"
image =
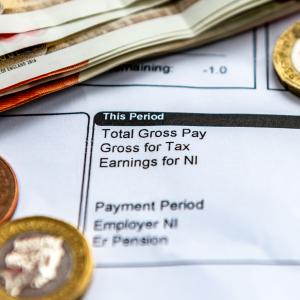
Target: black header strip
[{"x": 120, "y": 118}]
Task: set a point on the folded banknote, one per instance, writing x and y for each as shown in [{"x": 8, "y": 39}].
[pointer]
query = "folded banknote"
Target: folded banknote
[
  {"x": 33, "y": 72},
  {"x": 26, "y": 15}
]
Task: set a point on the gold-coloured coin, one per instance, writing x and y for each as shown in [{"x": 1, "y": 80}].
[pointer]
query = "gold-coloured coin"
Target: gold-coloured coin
[
  {"x": 43, "y": 259},
  {"x": 286, "y": 58}
]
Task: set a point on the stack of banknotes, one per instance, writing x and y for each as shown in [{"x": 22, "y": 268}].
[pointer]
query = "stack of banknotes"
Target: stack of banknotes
[{"x": 49, "y": 45}]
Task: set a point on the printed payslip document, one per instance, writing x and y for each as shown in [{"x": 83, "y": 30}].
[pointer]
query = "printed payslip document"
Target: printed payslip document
[{"x": 182, "y": 172}]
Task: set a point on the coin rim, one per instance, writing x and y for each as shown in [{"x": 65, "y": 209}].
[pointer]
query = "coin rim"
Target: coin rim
[
  {"x": 282, "y": 59},
  {"x": 80, "y": 276},
  {"x": 11, "y": 210}
]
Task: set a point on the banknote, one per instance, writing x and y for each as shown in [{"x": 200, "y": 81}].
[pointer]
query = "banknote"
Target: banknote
[
  {"x": 26, "y": 15},
  {"x": 245, "y": 21},
  {"x": 18, "y": 6},
  {"x": 14, "y": 42},
  {"x": 182, "y": 19}
]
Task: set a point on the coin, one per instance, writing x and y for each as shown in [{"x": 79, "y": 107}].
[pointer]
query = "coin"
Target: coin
[
  {"x": 8, "y": 191},
  {"x": 286, "y": 58},
  {"x": 43, "y": 259}
]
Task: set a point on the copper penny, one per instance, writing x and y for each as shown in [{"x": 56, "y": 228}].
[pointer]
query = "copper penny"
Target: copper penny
[{"x": 8, "y": 192}]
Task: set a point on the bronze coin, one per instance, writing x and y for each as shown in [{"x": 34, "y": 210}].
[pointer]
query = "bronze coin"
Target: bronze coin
[{"x": 8, "y": 192}]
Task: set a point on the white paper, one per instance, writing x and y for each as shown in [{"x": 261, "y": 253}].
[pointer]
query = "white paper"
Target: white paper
[{"x": 208, "y": 210}]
